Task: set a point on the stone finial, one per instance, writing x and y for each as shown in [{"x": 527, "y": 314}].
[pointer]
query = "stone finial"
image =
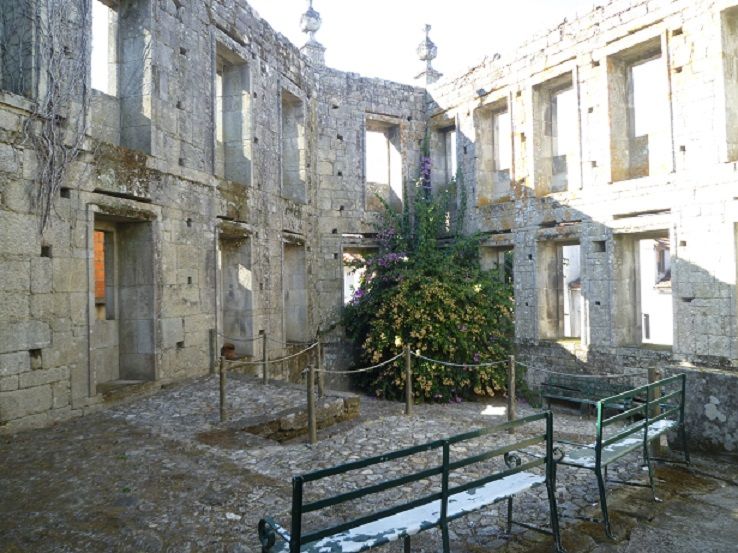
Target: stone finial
[
  {"x": 310, "y": 23},
  {"x": 427, "y": 52}
]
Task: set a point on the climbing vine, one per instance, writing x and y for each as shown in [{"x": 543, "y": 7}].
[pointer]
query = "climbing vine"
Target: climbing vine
[{"x": 45, "y": 46}]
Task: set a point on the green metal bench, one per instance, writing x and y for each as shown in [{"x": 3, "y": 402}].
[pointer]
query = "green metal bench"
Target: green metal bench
[
  {"x": 449, "y": 497},
  {"x": 582, "y": 389},
  {"x": 656, "y": 408}
]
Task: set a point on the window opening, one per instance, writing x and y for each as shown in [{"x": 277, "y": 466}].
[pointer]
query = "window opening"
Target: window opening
[
  {"x": 383, "y": 164},
  {"x": 502, "y": 148},
  {"x": 293, "y": 148},
  {"x": 232, "y": 118},
  {"x": 103, "y": 57}
]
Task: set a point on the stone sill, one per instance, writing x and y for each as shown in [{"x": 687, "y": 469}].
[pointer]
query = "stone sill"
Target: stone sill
[{"x": 16, "y": 102}]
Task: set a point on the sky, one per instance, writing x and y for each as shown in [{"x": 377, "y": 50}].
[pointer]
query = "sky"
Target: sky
[{"x": 379, "y": 38}]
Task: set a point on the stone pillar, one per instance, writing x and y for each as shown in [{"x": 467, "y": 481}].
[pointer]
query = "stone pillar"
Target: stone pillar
[
  {"x": 427, "y": 52},
  {"x": 310, "y": 23}
]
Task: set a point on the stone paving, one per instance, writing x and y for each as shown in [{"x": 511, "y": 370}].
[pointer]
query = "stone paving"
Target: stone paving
[{"x": 142, "y": 477}]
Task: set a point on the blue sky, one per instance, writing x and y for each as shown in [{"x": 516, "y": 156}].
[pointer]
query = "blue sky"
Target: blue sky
[{"x": 378, "y": 38}]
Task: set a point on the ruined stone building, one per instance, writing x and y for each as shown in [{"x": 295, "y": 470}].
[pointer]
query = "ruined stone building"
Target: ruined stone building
[{"x": 221, "y": 184}]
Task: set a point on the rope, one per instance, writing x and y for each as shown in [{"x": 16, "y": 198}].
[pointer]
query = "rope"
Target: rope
[
  {"x": 242, "y": 340},
  {"x": 462, "y": 365},
  {"x": 244, "y": 363},
  {"x": 362, "y": 370},
  {"x": 259, "y": 338}
]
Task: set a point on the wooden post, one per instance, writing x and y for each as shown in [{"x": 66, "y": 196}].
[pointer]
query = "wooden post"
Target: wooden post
[
  {"x": 408, "y": 381},
  {"x": 312, "y": 426},
  {"x": 511, "y": 404},
  {"x": 213, "y": 338},
  {"x": 653, "y": 376},
  {"x": 222, "y": 390},
  {"x": 319, "y": 364},
  {"x": 264, "y": 364}
]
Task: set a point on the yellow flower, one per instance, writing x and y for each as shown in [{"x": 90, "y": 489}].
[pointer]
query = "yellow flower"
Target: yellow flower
[
  {"x": 477, "y": 288},
  {"x": 398, "y": 341}
]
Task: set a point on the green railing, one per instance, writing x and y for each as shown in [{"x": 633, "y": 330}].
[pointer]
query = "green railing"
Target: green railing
[{"x": 297, "y": 537}]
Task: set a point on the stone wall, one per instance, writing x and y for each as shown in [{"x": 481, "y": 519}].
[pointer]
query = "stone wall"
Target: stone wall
[
  {"x": 148, "y": 181},
  {"x": 208, "y": 90},
  {"x": 687, "y": 196}
]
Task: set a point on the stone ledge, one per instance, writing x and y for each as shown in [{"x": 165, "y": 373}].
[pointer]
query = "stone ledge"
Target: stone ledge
[{"x": 290, "y": 423}]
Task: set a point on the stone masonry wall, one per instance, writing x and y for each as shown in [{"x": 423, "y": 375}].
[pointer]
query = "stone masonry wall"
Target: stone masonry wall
[
  {"x": 171, "y": 216},
  {"x": 148, "y": 181},
  {"x": 688, "y": 195}
]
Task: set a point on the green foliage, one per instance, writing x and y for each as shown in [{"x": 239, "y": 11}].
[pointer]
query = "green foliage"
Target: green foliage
[{"x": 424, "y": 288}]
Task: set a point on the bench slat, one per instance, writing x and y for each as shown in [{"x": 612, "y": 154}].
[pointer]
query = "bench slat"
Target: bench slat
[
  {"x": 413, "y": 521},
  {"x": 585, "y": 457}
]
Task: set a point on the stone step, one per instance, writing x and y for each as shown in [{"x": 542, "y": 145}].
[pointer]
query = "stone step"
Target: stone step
[{"x": 117, "y": 390}]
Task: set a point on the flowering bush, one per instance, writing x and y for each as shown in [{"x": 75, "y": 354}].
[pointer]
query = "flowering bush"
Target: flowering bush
[{"x": 424, "y": 288}]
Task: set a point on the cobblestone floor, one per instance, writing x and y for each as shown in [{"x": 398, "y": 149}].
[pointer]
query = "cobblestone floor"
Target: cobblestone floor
[{"x": 140, "y": 477}]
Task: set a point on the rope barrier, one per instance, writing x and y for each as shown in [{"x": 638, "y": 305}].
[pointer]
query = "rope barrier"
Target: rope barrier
[
  {"x": 362, "y": 370},
  {"x": 259, "y": 338},
  {"x": 241, "y": 340},
  {"x": 237, "y": 364},
  {"x": 462, "y": 365}
]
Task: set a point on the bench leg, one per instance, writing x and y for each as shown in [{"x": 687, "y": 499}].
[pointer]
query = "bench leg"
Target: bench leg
[
  {"x": 683, "y": 437},
  {"x": 406, "y": 544},
  {"x": 649, "y": 464},
  {"x": 554, "y": 512},
  {"x": 509, "y": 515},
  {"x": 603, "y": 503},
  {"x": 444, "y": 534}
]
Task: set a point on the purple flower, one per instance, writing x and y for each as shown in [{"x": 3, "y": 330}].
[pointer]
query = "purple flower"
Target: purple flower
[
  {"x": 425, "y": 173},
  {"x": 477, "y": 357}
]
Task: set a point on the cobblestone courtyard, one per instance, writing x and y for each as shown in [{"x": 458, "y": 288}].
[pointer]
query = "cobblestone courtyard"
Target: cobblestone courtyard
[{"x": 149, "y": 476}]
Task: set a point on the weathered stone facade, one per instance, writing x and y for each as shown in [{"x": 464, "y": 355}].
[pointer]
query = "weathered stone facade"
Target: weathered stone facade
[
  {"x": 197, "y": 259},
  {"x": 227, "y": 173},
  {"x": 686, "y": 198}
]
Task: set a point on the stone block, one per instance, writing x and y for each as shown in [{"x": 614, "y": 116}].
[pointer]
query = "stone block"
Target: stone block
[
  {"x": 105, "y": 334},
  {"x": 69, "y": 275},
  {"x": 144, "y": 329},
  {"x": 78, "y": 305},
  {"x": 14, "y": 275},
  {"x": 60, "y": 394},
  {"x": 14, "y": 306},
  {"x": 19, "y": 234},
  {"x": 9, "y": 159},
  {"x": 9, "y": 383},
  {"x": 17, "y": 196},
  {"x": 41, "y": 275},
  {"x": 44, "y": 376},
  {"x": 9, "y": 121},
  {"x": 14, "y": 363},
  {"x": 21, "y": 403},
  {"x": 67, "y": 349},
  {"x": 49, "y": 307},
  {"x": 24, "y": 335},
  {"x": 172, "y": 331}
]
